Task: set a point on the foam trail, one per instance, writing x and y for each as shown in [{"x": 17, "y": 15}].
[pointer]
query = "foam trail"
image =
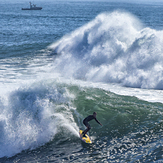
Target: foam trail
[{"x": 113, "y": 48}]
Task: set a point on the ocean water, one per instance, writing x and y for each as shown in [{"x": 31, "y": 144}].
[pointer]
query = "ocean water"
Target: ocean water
[{"x": 62, "y": 63}]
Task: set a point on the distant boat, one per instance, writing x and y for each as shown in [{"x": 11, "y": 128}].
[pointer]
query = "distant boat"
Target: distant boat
[{"x": 32, "y": 7}]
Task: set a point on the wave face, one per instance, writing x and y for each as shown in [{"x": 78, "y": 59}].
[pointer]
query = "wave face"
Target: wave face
[
  {"x": 113, "y": 48},
  {"x": 45, "y": 119}
]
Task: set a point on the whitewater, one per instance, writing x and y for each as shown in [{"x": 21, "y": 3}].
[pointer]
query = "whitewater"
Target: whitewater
[
  {"x": 112, "y": 65},
  {"x": 113, "y": 48}
]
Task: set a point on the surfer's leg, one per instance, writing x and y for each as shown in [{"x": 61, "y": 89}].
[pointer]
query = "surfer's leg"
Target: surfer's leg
[
  {"x": 86, "y": 130},
  {"x": 86, "y": 124}
]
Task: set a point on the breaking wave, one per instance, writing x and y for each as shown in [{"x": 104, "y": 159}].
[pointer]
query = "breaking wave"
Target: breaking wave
[{"x": 112, "y": 48}]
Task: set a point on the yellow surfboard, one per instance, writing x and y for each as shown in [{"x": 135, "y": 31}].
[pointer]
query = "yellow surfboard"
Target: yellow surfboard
[{"x": 85, "y": 139}]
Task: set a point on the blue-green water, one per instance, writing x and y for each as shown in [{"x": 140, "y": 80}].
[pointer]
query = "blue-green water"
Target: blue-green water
[{"x": 62, "y": 63}]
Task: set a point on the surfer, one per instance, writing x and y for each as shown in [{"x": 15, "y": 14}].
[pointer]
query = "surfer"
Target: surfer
[{"x": 86, "y": 120}]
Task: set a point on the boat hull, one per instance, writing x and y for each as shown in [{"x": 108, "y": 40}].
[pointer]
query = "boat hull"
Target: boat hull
[{"x": 36, "y": 8}]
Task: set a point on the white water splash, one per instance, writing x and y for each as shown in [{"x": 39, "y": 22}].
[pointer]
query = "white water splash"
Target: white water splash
[{"x": 113, "y": 48}]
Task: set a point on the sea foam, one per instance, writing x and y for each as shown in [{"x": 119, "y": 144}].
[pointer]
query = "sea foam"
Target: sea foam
[
  {"x": 113, "y": 48},
  {"x": 32, "y": 116}
]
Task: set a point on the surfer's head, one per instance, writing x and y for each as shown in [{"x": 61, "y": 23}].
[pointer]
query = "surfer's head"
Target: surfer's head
[{"x": 94, "y": 114}]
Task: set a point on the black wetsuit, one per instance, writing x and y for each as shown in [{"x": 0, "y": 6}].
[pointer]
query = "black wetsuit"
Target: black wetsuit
[{"x": 86, "y": 120}]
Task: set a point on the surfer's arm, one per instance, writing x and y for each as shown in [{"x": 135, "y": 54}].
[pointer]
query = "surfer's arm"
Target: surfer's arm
[{"x": 98, "y": 121}]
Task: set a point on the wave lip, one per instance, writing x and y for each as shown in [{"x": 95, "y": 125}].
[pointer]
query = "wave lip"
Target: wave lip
[{"x": 112, "y": 48}]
